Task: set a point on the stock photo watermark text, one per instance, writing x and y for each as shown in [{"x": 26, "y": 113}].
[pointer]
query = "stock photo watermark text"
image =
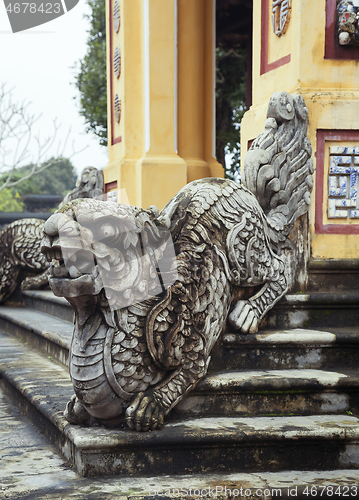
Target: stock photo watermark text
[{"x": 219, "y": 491}]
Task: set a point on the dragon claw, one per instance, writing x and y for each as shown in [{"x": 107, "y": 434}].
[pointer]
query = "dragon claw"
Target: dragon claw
[
  {"x": 244, "y": 318},
  {"x": 75, "y": 413},
  {"x": 145, "y": 413}
]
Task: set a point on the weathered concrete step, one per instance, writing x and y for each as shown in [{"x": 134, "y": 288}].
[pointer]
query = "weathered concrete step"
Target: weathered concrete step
[
  {"x": 224, "y": 444},
  {"x": 273, "y": 392},
  {"x": 315, "y": 310},
  {"x": 236, "y": 393},
  {"x": 45, "y": 301},
  {"x": 252, "y": 393},
  {"x": 32, "y": 469},
  {"x": 333, "y": 275},
  {"x": 335, "y": 348},
  {"x": 46, "y": 333}
]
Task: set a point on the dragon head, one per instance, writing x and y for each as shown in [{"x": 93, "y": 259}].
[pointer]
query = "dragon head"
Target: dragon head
[{"x": 95, "y": 245}]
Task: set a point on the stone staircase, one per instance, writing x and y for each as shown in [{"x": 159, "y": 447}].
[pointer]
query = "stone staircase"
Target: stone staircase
[{"x": 287, "y": 401}]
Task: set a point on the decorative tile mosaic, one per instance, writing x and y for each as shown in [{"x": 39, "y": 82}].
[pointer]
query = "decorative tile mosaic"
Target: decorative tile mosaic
[
  {"x": 347, "y": 22},
  {"x": 343, "y": 182}
]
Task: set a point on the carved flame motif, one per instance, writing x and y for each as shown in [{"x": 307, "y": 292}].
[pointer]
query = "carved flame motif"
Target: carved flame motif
[
  {"x": 117, "y": 107},
  {"x": 117, "y": 62},
  {"x": 116, "y": 16},
  {"x": 281, "y": 11}
]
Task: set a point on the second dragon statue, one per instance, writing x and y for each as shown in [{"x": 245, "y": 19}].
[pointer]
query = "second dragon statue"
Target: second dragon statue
[
  {"x": 21, "y": 262},
  {"x": 152, "y": 291}
]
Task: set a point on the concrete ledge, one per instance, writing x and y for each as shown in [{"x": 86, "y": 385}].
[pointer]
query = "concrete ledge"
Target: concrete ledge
[
  {"x": 45, "y": 301},
  {"x": 272, "y": 392},
  {"x": 278, "y": 380},
  {"x": 49, "y": 335},
  {"x": 335, "y": 348},
  {"x": 320, "y": 298},
  {"x": 333, "y": 275},
  {"x": 333, "y": 264},
  {"x": 315, "y": 310},
  {"x": 298, "y": 336},
  {"x": 196, "y": 445}
]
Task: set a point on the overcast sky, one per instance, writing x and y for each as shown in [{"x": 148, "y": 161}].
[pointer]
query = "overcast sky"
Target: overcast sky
[{"x": 38, "y": 64}]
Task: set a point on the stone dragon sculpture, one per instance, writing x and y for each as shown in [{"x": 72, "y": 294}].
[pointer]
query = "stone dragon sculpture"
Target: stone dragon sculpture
[
  {"x": 20, "y": 258},
  {"x": 21, "y": 261},
  {"x": 145, "y": 323}
]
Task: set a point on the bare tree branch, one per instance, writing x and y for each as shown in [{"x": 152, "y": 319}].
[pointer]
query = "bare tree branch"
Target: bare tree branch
[{"x": 18, "y": 142}]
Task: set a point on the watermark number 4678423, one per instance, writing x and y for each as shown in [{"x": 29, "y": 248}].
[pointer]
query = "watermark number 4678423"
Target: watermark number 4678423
[{"x": 26, "y": 15}]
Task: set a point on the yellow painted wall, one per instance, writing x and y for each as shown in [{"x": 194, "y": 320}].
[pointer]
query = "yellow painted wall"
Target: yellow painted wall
[
  {"x": 330, "y": 89},
  {"x": 167, "y": 93}
]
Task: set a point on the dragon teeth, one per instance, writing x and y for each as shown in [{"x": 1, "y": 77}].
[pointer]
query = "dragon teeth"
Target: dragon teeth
[
  {"x": 59, "y": 272},
  {"x": 74, "y": 273}
]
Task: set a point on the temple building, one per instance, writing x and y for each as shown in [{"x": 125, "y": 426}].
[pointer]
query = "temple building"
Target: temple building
[
  {"x": 161, "y": 106},
  {"x": 161, "y": 88},
  {"x": 298, "y": 47}
]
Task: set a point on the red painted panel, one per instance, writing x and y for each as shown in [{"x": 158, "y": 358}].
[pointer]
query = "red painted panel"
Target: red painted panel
[
  {"x": 110, "y": 186},
  {"x": 265, "y": 65},
  {"x": 114, "y": 140}
]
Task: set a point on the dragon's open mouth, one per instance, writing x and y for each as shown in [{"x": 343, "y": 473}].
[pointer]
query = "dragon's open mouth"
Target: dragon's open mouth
[
  {"x": 72, "y": 265},
  {"x": 69, "y": 267}
]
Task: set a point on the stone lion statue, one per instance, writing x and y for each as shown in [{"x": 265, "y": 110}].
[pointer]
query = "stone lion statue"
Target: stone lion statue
[{"x": 152, "y": 291}]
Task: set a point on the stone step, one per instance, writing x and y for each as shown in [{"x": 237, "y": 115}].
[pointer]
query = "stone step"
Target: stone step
[
  {"x": 267, "y": 350},
  {"x": 232, "y": 444},
  {"x": 334, "y": 348},
  {"x": 272, "y": 392},
  {"x": 296, "y": 310},
  {"x": 45, "y": 301},
  {"x": 45, "y": 333},
  {"x": 315, "y": 310},
  {"x": 32, "y": 468},
  {"x": 333, "y": 275},
  {"x": 236, "y": 393}
]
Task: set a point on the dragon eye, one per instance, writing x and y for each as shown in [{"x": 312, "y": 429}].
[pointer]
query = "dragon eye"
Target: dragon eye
[{"x": 108, "y": 230}]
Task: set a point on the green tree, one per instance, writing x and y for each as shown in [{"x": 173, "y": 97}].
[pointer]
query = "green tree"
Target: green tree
[
  {"x": 10, "y": 202},
  {"x": 233, "y": 40},
  {"x": 58, "y": 179},
  {"x": 230, "y": 107},
  {"x": 91, "y": 79}
]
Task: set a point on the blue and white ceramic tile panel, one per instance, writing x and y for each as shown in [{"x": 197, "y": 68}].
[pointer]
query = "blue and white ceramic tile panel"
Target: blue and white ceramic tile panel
[{"x": 343, "y": 182}]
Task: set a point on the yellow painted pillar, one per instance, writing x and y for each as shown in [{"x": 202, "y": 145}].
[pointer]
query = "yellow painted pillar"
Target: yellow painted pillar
[
  {"x": 196, "y": 80},
  {"x": 160, "y": 172},
  {"x": 307, "y": 60},
  {"x": 164, "y": 134},
  {"x": 125, "y": 131}
]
